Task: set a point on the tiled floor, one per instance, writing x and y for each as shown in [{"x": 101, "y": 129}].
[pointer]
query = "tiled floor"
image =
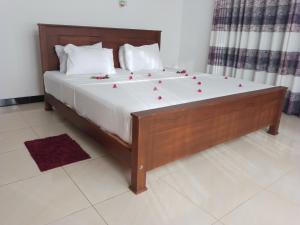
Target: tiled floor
[{"x": 253, "y": 180}]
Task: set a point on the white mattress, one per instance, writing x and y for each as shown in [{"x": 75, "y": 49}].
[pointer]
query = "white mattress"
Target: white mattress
[{"x": 110, "y": 108}]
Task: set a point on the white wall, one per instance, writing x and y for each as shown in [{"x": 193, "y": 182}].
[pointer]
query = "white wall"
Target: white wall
[
  {"x": 19, "y": 53},
  {"x": 195, "y": 33}
]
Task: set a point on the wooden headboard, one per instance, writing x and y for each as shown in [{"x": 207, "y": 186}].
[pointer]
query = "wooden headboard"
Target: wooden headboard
[{"x": 51, "y": 35}]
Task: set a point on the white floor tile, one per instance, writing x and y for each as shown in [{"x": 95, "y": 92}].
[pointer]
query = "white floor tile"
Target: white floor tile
[
  {"x": 17, "y": 165},
  {"x": 263, "y": 163},
  {"x": 160, "y": 205},
  {"x": 265, "y": 209},
  {"x": 85, "y": 217},
  {"x": 11, "y": 140},
  {"x": 9, "y": 109},
  {"x": 40, "y": 117},
  {"x": 31, "y": 107},
  {"x": 213, "y": 182},
  {"x": 290, "y": 125},
  {"x": 11, "y": 121},
  {"x": 40, "y": 200},
  {"x": 99, "y": 179},
  {"x": 288, "y": 186},
  {"x": 53, "y": 129}
]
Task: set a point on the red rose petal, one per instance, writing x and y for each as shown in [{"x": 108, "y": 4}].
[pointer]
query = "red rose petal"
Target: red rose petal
[
  {"x": 186, "y": 74},
  {"x": 115, "y": 86},
  {"x": 130, "y": 77},
  {"x": 159, "y": 98},
  {"x": 199, "y": 91},
  {"x": 194, "y": 77},
  {"x": 183, "y": 71},
  {"x": 159, "y": 81},
  {"x": 199, "y": 83}
]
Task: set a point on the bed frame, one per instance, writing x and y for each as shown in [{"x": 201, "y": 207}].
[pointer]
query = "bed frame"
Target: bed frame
[{"x": 160, "y": 136}]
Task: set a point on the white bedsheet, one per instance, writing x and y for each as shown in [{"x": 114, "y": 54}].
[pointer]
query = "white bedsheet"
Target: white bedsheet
[{"x": 110, "y": 108}]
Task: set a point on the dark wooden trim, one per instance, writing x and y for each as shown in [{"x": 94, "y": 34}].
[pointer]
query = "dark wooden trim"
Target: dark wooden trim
[
  {"x": 22, "y": 100},
  {"x": 234, "y": 97},
  {"x": 274, "y": 126},
  {"x": 140, "y": 146},
  {"x": 175, "y": 132},
  {"x": 51, "y": 35}
]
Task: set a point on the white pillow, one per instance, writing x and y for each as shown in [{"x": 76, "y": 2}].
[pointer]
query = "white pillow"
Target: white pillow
[
  {"x": 146, "y": 57},
  {"x": 122, "y": 57},
  {"x": 89, "y": 60},
  {"x": 63, "y": 57}
]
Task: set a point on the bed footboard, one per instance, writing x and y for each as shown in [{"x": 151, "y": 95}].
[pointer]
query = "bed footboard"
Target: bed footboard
[{"x": 164, "y": 135}]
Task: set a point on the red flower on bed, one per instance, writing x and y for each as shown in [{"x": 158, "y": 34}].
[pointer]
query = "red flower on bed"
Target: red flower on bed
[
  {"x": 182, "y": 71},
  {"x": 199, "y": 83},
  {"x": 194, "y": 77},
  {"x": 199, "y": 91},
  {"x": 130, "y": 77},
  {"x": 100, "y": 77},
  {"x": 186, "y": 74},
  {"x": 115, "y": 86},
  {"x": 159, "y": 81},
  {"x": 159, "y": 98}
]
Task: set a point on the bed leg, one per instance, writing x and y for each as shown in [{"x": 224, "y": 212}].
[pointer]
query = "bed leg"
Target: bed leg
[
  {"x": 273, "y": 129},
  {"x": 48, "y": 106},
  {"x": 138, "y": 155},
  {"x": 138, "y": 180}
]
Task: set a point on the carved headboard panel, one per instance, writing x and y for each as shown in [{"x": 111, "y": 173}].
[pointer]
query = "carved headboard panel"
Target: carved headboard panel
[{"x": 51, "y": 35}]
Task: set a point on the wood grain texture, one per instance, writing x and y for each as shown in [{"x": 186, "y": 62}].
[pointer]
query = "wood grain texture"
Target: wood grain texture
[
  {"x": 51, "y": 35},
  {"x": 162, "y": 135},
  {"x": 178, "y": 131}
]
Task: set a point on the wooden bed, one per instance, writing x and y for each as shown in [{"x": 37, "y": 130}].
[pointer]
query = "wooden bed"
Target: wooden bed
[{"x": 160, "y": 136}]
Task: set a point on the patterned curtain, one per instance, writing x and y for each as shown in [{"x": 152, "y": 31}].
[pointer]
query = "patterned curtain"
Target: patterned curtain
[{"x": 258, "y": 40}]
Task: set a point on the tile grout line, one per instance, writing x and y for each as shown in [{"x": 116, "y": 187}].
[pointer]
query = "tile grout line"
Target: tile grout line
[
  {"x": 84, "y": 195},
  {"x": 41, "y": 173},
  {"x": 261, "y": 191},
  {"x": 21, "y": 180},
  {"x": 76, "y": 211},
  {"x": 283, "y": 175},
  {"x": 191, "y": 201},
  {"x": 218, "y": 219},
  {"x": 110, "y": 198},
  {"x": 278, "y": 195},
  {"x": 239, "y": 205},
  {"x": 248, "y": 199}
]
